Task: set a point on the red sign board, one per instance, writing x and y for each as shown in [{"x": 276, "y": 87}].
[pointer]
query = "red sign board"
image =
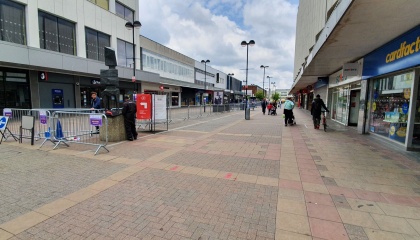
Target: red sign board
[
  {"x": 144, "y": 106},
  {"x": 133, "y": 79}
]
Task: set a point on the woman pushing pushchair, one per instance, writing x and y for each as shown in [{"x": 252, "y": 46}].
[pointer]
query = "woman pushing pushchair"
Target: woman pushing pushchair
[
  {"x": 272, "y": 108},
  {"x": 289, "y": 118}
]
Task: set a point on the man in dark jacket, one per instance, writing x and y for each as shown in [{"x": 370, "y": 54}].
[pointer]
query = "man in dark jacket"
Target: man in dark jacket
[
  {"x": 95, "y": 104},
  {"x": 263, "y": 105},
  {"x": 316, "y": 109},
  {"x": 129, "y": 112}
]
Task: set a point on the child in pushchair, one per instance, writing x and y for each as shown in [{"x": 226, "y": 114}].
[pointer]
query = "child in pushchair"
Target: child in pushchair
[{"x": 273, "y": 110}]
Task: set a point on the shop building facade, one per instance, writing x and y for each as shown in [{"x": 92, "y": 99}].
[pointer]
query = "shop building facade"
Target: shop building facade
[
  {"x": 393, "y": 102},
  {"x": 52, "y": 50},
  {"x": 380, "y": 96}
]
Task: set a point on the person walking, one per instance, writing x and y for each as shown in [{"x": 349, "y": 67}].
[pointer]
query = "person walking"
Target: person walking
[
  {"x": 95, "y": 104},
  {"x": 263, "y": 105},
  {"x": 129, "y": 112},
  {"x": 316, "y": 109},
  {"x": 288, "y": 110}
]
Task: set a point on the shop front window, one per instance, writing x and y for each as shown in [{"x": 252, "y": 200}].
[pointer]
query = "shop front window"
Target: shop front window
[
  {"x": 339, "y": 104},
  {"x": 389, "y": 106},
  {"x": 416, "y": 132},
  {"x": 175, "y": 99},
  {"x": 14, "y": 90}
]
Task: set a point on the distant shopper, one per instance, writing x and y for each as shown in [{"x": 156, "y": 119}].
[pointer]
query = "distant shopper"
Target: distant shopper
[
  {"x": 95, "y": 104},
  {"x": 288, "y": 110},
  {"x": 129, "y": 112},
  {"x": 263, "y": 105},
  {"x": 316, "y": 109}
]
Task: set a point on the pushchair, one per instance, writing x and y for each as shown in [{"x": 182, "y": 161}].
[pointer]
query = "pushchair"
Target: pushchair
[{"x": 273, "y": 110}]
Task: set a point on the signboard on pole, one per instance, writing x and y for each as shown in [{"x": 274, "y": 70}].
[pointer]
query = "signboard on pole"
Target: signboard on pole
[
  {"x": 43, "y": 117},
  {"x": 95, "y": 120},
  {"x": 144, "y": 106},
  {"x": 159, "y": 107},
  {"x": 7, "y": 112}
]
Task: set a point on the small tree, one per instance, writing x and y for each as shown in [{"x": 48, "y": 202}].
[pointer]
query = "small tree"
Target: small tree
[
  {"x": 275, "y": 96},
  {"x": 259, "y": 94}
]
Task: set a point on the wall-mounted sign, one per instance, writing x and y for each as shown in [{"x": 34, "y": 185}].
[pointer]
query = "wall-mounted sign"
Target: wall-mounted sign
[
  {"x": 351, "y": 69},
  {"x": 43, "y": 76},
  {"x": 95, "y": 82}
]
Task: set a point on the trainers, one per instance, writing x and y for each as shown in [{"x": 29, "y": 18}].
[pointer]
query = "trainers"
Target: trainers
[{"x": 285, "y": 125}]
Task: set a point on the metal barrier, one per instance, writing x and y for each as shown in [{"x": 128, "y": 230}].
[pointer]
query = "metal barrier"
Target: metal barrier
[
  {"x": 41, "y": 122},
  {"x": 42, "y": 119},
  {"x": 76, "y": 127}
]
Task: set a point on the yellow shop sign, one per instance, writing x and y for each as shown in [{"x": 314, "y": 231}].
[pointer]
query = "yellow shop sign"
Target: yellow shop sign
[{"x": 404, "y": 50}]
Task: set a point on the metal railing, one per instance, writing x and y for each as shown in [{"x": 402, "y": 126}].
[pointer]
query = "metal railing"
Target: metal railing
[{"x": 76, "y": 127}]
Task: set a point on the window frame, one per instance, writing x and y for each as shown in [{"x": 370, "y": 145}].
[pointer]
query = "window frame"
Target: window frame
[
  {"x": 125, "y": 11},
  {"x": 98, "y": 34},
  {"x": 125, "y": 53},
  {"x": 42, "y": 15},
  {"x": 23, "y": 23}
]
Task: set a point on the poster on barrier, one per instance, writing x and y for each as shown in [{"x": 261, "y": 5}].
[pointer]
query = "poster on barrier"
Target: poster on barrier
[
  {"x": 7, "y": 112},
  {"x": 144, "y": 106},
  {"x": 159, "y": 107},
  {"x": 95, "y": 120},
  {"x": 43, "y": 117}
]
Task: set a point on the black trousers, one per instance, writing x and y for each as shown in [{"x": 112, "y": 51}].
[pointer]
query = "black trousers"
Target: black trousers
[
  {"x": 287, "y": 115},
  {"x": 130, "y": 126}
]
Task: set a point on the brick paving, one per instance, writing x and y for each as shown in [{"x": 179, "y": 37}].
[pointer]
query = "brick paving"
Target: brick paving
[{"x": 219, "y": 177}]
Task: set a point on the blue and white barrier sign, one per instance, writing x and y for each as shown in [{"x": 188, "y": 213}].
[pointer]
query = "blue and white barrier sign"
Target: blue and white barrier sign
[{"x": 3, "y": 123}]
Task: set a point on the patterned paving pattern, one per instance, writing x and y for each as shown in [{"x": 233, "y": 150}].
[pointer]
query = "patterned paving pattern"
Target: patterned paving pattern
[
  {"x": 30, "y": 179},
  {"x": 168, "y": 205},
  {"x": 223, "y": 178}
]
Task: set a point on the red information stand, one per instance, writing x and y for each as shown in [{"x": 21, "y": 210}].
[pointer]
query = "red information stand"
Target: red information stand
[{"x": 144, "y": 106}]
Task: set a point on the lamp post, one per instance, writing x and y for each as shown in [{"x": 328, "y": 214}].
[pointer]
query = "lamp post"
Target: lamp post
[
  {"x": 205, "y": 80},
  {"x": 247, "y": 44},
  {"x": 132, "y": 26},
  {"x": 230, "y": 84},
  {"x": 262, "y": 66},
  {"x": 269, "y": 86}
]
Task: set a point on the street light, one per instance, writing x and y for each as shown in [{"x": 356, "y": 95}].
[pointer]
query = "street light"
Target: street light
[
  {"x": 230, "y": 86},
  {"x": 132, "y": 26},
  {"x": 247, "y": 44},
  {"x": 269, "y": 86},
  {"x": 262, "y": 66},
  {"x": 205, "y": 80}
]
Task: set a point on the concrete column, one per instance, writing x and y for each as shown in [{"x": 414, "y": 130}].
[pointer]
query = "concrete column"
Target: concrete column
[
  {"x": 34, "y": 88},
  {"x": 32, "y": 30},
  {"x": 78, "y": 96}
]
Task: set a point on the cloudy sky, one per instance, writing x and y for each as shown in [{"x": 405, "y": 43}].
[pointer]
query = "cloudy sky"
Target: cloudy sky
[{"x": 214, "y": 29}]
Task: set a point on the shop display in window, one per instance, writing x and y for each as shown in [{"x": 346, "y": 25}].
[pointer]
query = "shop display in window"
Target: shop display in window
[{"x": 390, "y": 106}]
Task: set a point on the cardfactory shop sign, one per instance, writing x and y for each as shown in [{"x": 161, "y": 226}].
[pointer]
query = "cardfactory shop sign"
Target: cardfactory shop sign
[
  {"x": 398, "y": 54},
  {"x": 404, "y": 50}
]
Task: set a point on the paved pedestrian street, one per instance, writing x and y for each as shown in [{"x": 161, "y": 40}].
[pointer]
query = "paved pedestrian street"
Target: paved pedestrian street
[{"x": 220, "y": 177}]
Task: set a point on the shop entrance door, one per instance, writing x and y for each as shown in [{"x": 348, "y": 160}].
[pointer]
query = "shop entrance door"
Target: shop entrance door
[{"x": 354, "y": 107}]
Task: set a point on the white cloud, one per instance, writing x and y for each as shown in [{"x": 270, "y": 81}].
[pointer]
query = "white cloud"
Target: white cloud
[{"x": 214, "y": 29}]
